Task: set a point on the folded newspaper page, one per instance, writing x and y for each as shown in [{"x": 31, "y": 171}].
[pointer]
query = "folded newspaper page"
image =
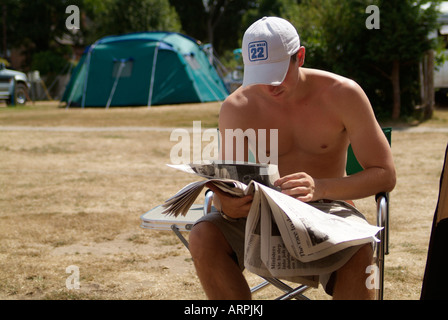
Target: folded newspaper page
[
  {"x": 285, "y": 237},
  {"x": 289, "y": 239},
  {"x": 243, "y": 172},
  {"x": 262, "y": 256},
  {"x": 230, "y": 177}
]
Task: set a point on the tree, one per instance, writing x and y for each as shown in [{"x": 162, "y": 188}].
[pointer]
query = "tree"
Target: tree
[
  {"x": 338, "y": 40},
  {"x": 192, "y": 16},
  {"x": 214, "y": 21},
  {"x": 33, "y": 26},
  {"x": 36, "y": 26},
  {"x": 111, "y": 17},
  {"x": 401, "y": 42}
]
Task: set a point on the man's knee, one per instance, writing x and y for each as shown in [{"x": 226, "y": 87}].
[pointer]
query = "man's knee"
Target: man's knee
[
  {"x": 362, "y": 258},
  {"x": 350, "y": 280},
  {"x": 365, "y": 253},
  {"x": 206, "y": 239},
  {"x": 196, "y": 238}
]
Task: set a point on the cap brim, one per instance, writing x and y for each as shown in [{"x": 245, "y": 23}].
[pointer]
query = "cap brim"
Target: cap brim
[{"x": 270, "y": 73}]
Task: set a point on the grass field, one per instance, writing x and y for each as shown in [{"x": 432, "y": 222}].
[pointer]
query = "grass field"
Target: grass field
[{"x": 75, "y": 182}]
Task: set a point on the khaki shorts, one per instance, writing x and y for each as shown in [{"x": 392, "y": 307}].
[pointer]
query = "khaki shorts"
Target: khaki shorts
[{"x": 234, "y": 231}]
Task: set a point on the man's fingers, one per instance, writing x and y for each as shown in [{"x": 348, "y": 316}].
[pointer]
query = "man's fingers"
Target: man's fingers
[
  {"x": 291, "y": 184},
  {"x": 297, "y": 185},
  {"x": 290, "y": 177},
  {"x": 306, "y": 198},
  {"x": 212, "y": 187},
  {"x": 296, "y": 191},
  {"x": 237, "y": 200}
]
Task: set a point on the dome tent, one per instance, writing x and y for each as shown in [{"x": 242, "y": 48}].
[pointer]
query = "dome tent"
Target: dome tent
[{"x": 145, "y": 68}]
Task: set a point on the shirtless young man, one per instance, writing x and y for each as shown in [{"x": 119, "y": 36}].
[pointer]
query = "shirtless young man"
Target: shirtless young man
[{"x": 317, "y": 114}]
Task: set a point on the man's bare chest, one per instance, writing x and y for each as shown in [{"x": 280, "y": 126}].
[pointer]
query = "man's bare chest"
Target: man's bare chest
[{"x": 308, "y": 134}]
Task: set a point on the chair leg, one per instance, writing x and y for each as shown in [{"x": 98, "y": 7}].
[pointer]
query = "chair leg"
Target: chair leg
[
  {"x": 295, "y": 294},
  {"x": 382, "y": 246},
  {"x": 179, "y": 235},
  {"x": 259, "y": 286},
  {"x": 290, "y": 293}
]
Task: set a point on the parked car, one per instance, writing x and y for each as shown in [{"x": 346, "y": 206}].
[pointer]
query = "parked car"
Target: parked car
[{"x": 14, "y": 86}]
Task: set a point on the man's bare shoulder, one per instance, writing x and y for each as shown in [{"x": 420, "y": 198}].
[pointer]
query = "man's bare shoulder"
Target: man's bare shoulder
[
  {"x": 238, "y": 100},
  {"x": 336, "y": 90},
  {"x": 330, "y": 81},
  {"x": 237, "y": 106}
]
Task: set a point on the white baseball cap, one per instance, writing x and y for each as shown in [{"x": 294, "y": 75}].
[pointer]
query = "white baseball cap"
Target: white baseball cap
[{"x": 268, "y": 45}]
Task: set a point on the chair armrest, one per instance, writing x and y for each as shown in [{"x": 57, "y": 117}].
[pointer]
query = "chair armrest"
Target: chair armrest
[
  {"x": 208, "y": 201},
  {"x": 381, "y": 194},
  {"x": 382, "y": 203}
]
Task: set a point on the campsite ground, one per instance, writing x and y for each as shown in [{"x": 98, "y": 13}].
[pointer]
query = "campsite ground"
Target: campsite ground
[{"x": 73, "y": 187}]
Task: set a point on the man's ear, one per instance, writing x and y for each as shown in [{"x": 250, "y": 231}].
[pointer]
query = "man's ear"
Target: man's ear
[{"x": 301, "y": 56}]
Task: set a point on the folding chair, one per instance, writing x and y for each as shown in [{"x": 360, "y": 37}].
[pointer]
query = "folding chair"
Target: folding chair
[{"x": 154, "y": 219}]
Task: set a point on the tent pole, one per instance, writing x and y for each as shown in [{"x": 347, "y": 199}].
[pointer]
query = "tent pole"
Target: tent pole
[
  {"x": 153, "y": 74},
  {"x": 112, "y": 92},
  {"x": 72, "y": 94},
  {"x": 87, "y": 75},
  {"x": 210, "y": 88}
]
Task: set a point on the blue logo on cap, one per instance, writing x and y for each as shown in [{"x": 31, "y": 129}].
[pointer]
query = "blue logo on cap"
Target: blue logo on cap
[{"x": 258, "y": 50}]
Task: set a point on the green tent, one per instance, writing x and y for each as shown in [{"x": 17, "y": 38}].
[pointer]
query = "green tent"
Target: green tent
[{"x": 145, "y": 68}]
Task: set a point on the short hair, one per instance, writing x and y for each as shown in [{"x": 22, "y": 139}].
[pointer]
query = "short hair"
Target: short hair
[{"x": 294, "y": 57}]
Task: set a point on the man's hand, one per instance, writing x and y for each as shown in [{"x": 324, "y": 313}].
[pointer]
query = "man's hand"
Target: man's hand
[
  {"x": 298, "y": 185},
  {"x": 233, "y": 207}
]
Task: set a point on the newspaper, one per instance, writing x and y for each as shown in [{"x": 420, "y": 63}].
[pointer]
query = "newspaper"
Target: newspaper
[
  {"x": 285, "y": 237},
  {"x": 231, "y": 177}
]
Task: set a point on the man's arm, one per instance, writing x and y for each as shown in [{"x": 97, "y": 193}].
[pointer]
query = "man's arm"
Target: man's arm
[{"x": 369, "y": 144}]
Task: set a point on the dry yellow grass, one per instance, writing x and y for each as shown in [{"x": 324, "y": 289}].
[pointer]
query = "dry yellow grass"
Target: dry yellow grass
[{"x": 75, "y": 198}]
